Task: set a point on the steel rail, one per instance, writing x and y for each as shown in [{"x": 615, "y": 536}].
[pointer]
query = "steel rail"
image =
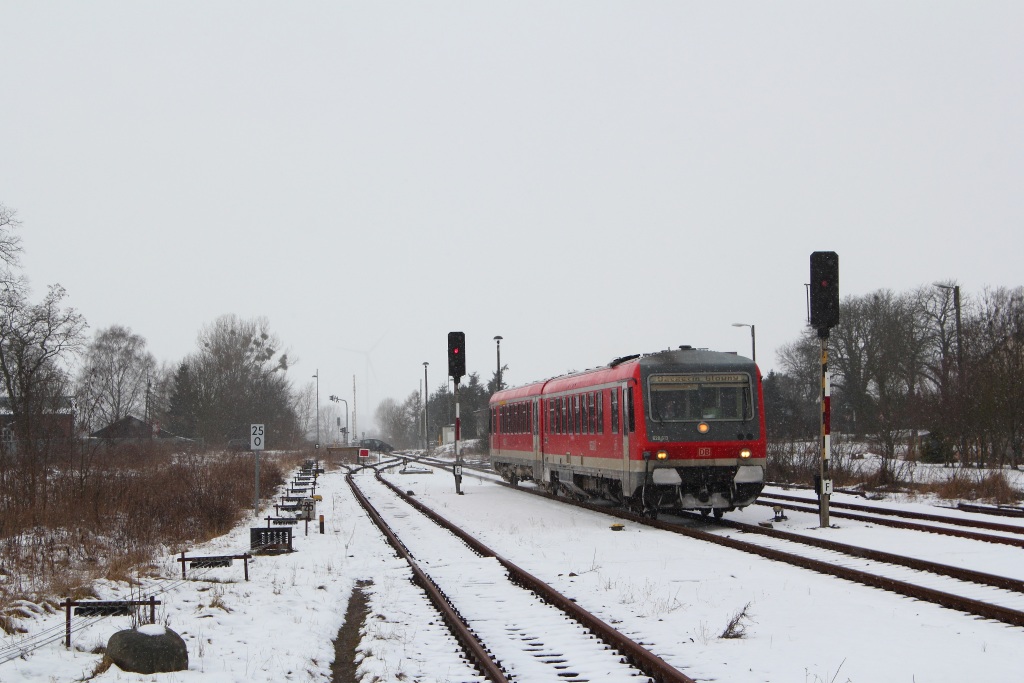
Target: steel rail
[
  {"x": 960, "y": 573},
  {"x": 949, "y": 600},
  {"x": 906, "y": 514},
  {"x": 900, "y": 524},
  {"x": 470, "y": 643},
  {"x": 643, "y": 659},
  {"x": 1002, "y": 511}
]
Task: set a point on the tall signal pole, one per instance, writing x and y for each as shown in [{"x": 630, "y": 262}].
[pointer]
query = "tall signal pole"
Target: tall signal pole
[
  {"x": 456, "y": 369},
  {"x": 824, "y": 316}
]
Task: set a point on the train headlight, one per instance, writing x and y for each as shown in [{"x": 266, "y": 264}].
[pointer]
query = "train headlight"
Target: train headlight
[
  {"x": 745, "y": 453},
  {"x": 703, "y": 427},
  {"x": 662, "y": 455}
]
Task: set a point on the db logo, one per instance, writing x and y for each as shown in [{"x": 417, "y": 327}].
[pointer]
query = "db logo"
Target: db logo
[{"x": 704, "y": 452}]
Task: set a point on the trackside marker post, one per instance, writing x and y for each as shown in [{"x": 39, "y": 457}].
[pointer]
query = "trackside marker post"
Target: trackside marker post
[{"x": 256, "y": 441}]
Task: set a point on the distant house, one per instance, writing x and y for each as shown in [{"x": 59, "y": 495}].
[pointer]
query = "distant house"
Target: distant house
[
  {"x": 59, "y": 424},
  {"x": 131, "y": 428}
]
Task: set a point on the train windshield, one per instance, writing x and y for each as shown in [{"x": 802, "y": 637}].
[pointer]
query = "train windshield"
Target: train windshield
[{"x": 696, "y": 397}]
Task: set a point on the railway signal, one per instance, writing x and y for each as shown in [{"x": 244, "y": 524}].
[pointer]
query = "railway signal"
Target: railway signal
[
  {"x": 457, "y": 368},
  {"x": 456, "y": 355},
  {"x": 824, "y": 316},
  {"x": 824, "y": 290}
]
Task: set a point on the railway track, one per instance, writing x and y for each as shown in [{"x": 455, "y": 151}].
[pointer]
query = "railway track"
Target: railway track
[
  {"x": 888, "y": 517},
  {"x": 511, "y": 624},
  {"x": 989, "y": 596}
]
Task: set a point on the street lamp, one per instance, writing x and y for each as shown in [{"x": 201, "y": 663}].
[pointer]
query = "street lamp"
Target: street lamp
[
  {"x": 497, "y": 340},
  {"x": 317, "y": 375},
  {"x": 753, "y": 340},
  {"x": 337, "y": 399},
  {"x": 959, "y": 342},
  {"x": 426, "y": 397}
]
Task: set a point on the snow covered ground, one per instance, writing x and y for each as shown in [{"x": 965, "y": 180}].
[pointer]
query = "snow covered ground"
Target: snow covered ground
[{"x": 673, "y": 593}]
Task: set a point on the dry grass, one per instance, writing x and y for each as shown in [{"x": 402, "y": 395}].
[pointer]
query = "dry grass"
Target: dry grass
[
  {"x": 976, "y": 485},
  {"x": 108, "y": 514},
  {"x": 736, "y": 628}
]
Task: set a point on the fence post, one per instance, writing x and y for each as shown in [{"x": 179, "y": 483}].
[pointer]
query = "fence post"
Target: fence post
[{"x": 67, "y": 624}]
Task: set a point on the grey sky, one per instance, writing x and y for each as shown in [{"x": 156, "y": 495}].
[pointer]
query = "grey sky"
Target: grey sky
[{"x": 599, "y": 178}]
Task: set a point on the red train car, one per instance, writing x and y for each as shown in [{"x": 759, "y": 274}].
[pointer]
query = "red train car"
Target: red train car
[{"x": 680, "y": 429}]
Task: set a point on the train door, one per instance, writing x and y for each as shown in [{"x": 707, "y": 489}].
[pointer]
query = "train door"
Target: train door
[
  {"x": 536, "y": 432},
  {"x": 628, "y": 426},
  {"x": 621, "y": 443}
]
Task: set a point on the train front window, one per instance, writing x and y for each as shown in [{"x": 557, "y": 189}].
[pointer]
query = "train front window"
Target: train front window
[{"x": 696, "y": 397}]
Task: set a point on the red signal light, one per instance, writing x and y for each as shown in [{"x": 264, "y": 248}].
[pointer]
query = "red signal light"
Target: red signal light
[{"x": 456, "y": 361}]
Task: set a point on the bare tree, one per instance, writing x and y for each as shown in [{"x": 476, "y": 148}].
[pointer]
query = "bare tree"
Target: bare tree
[
  {"x": 996, "y": 378},
  {"x": 116, "y": 378},
  {"x": 35, "y": 342},
  {"x": 238, "y": 376},
  {"x": 10, "y": 249},
  {"x": 389, "y": 418}
]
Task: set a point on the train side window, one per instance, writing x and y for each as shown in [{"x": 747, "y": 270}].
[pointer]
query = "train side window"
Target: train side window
[
  {"x": 534, "y": 414},
  {"x": 613, "y": 401},
  {"x": 592, "y": 408},
  {"x": 585, "y": 414},
  {"x": 600, "y": 412},
  {"x": 630, "y": 413}
]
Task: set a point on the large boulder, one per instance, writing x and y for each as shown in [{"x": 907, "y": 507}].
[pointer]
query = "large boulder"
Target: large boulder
[{"x": 150, "y": 649}]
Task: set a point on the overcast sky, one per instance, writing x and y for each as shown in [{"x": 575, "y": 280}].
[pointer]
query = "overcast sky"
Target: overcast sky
[{"x": 586, "y": 179}]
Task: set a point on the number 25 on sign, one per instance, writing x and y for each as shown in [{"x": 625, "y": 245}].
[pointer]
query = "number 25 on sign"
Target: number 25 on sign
[{"x": 256, "y": 437}]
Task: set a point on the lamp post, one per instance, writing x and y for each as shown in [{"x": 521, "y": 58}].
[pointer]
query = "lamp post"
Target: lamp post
[
  {"x": 959, "y": 363},
  {"x": 426, "y": 397},
  {"x": 317, "y": 376},
  {"x": 337, "y": 399},
  {"x": 497, "y": 340},
  {"x": 753, "y": 340},
  {"x": 959, "y": 339}
]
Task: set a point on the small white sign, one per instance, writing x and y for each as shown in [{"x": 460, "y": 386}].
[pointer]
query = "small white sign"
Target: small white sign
[
  {"x": 256, "y": 437},
  {"x": 458, "y": 470}
]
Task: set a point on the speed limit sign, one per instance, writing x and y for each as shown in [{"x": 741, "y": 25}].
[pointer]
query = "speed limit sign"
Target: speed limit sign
[{"x": 256, "y": 438}]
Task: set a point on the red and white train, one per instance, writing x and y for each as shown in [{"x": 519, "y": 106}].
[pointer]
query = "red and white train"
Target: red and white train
[{"x": 674, "y": 430}]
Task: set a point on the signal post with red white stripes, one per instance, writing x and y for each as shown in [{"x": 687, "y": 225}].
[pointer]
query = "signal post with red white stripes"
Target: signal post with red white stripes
[
  {"x": 824, "y": 289},
  {"x": 456, "y": 369}
]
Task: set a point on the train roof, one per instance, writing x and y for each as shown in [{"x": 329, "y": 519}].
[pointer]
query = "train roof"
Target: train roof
[{"x": 624, "y": 366}]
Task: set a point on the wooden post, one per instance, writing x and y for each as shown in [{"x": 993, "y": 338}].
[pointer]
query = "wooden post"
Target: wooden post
[{"x": 67, "y": 624}]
